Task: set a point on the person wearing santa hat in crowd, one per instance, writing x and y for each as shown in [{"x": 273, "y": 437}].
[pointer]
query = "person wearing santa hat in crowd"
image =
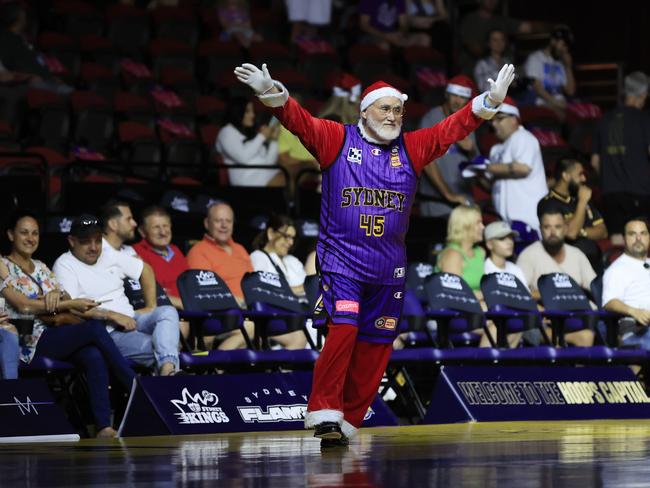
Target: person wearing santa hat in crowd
[
  {"x": 370, "y": 173},
  {"x": 442, "y": 179},
  {"x": 516, "y": 168}
]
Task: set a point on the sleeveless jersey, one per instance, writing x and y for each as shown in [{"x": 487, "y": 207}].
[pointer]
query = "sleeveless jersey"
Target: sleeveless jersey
[{"x": 367, "y": 194}]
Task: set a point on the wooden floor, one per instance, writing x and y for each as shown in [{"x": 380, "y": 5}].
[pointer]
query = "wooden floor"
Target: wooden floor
[{"x": 526, "y": 454}]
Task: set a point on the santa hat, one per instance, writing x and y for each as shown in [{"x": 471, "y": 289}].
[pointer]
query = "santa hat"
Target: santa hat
[
  {"x": 378, "y": 90},
  {"x": 347, "y": 86},
  {"x": 509, "y": 106},
  {"x": 461, "y": 85}
]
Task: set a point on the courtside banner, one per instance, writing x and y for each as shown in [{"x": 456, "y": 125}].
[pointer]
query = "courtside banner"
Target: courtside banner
[
  {"x": 28, "y": 413},
  {"x": 502, "y": 393},
  {"x": 206, "y": 404}
]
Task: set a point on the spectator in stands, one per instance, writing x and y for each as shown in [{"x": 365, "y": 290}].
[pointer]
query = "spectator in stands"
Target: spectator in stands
[
  {"x": 307, "y": 17},
  {"x": 32, "y": 292},
  {"x": 443, "y": 178},
  {"x": 293, "y": 157},
  {"x": 13, "y": 88},
  {"x": 551, "y": 72},
  {"x": 218, "y": 252},
  {"x": 17, "y": 55},
  {"x": 343, "y": 105},
  {"x": 553, "y": 255},
  {"x": 385, "y": 23},
  {"x": 235, "y": 19},
  {"x": 500, "y": 243},
  {"x": 94, "y": 269},
  {"x": 463, "y": 256},
  {"x": 119, "y": 226},
  {"x": 476, "y": 25},
  {"x": 241, "y": 142},
  {"x": 489, "y": 66},
  {"x": 571, "y": 196},
  {"x": 9, "y": 348},
  {"x": 157, "y": 250},
  {"x": 626, "y": 283},
  {"x": 431, "y": 17},
  {"x": 516, "y": 167},
  {"x": 272, "y": 252},
  {"x": 621, "y": 154}
]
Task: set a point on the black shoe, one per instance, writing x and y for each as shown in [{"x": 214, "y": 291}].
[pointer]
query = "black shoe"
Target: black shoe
[
  {"x": 331, "y": 443},
  {"x": 328, "y": 430}
]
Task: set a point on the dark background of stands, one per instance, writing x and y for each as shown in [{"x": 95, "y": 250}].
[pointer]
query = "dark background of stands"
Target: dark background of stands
[{"x": 610, "y": 34}]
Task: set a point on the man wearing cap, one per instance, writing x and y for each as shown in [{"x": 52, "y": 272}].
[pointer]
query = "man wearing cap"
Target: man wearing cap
[
  {"x": 621, "y": 154},
  {"x": 443, "y": 179},
  {"x": 551, "y": 71},
  {"x": 93, "y": 269},
  {"x": 499, "y": 240},
  {"x": 516, "y": 168},
  {"x": 370, "y": 173}
]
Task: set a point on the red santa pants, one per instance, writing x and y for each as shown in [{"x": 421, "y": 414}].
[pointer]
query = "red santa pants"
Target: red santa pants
[{"x": 347, "y": 375}]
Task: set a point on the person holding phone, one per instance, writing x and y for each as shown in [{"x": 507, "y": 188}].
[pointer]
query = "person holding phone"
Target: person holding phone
[
  {"x": 242, "y": 141},
  {"x": 32, "y": 292}
]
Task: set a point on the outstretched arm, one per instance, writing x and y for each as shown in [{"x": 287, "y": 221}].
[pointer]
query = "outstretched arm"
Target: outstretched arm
[
  {"x": 323, "y": 138},
  {"x": 425, "y": 145}
]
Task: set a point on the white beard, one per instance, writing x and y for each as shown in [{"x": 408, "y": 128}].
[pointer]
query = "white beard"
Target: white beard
[{"x": 386, "y": 133}]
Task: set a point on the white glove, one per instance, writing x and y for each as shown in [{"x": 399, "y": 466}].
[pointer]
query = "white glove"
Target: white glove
[
  {"x": 499, "y": 88},
  {"x": 251, "y": 75}
]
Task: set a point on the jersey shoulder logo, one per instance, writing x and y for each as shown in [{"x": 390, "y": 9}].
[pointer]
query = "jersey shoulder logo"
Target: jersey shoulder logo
[
  {"x": 394, "y": 157},
  {"x": 354, "y": 155}
]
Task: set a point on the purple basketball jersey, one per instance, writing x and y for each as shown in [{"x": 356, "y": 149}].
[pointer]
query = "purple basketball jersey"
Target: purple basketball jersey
[{"x": 366, "y": 202}]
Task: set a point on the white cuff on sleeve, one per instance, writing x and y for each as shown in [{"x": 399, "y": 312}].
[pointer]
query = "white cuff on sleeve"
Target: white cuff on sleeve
[
  {"x": 275, "y": 99},
  {"x": 481, "y": 109}
]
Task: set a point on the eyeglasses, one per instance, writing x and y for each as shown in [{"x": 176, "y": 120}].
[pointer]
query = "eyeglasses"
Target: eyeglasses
[
  {"x": 289, "y": 237},
  {"x": 397, "y": 110}
]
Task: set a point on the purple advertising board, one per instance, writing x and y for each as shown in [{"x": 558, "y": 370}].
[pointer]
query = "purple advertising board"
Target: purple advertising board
[
  {"x": 205, "y": 404},
  {"x": 502, "y": 393},
  {"x": 28, "y": 413}
]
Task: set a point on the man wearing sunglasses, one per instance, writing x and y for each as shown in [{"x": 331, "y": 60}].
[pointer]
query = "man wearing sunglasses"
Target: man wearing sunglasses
[{"x": 370, "y": 175}]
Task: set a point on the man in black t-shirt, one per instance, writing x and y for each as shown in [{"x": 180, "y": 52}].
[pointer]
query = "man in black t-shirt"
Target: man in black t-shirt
[
  {"x": 621, "y": 154},
  {"x": 571, "y": 196}
]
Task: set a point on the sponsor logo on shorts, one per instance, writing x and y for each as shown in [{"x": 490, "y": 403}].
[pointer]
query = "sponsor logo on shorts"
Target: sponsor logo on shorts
[
  {"x": 386, "y": 323},
  {"x": 399, "y": 272},
  {"x": 398, "y": 295},
  {"x": 347, "y": 306}
]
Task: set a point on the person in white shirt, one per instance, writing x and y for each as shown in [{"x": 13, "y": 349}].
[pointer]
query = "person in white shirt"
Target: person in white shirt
[
  {"x": 240, "y": 142},
  {"x": 551, "y": 70},
  {"x": 517, "y": 168},
  {"x": 272, "y": 255},
  {"x": 626, "y": 283},
  {"x": 272, "y": 252},
  {"x": 499, "y": 240},
  {"x": 94, "y": 269}
]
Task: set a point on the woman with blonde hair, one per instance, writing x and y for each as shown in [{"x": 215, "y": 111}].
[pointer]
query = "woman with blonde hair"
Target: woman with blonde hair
[{"x": 463, "y": 256}]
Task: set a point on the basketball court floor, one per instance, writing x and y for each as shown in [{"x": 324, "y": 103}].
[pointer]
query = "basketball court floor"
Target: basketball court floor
[{"x": 515, "y": 454}]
